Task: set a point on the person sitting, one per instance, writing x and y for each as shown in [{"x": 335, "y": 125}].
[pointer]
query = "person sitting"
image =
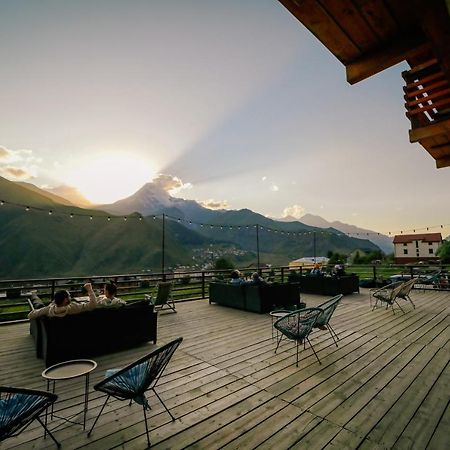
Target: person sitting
[
  {"x": 61, "y": 305},
  {"x": 109, "y": 296},
  {"x": 316, "y": 271},
  {"x": 339, "y": 270},
  {"x": 236, "y": 277},
  {"x": 257, "y": 280}
]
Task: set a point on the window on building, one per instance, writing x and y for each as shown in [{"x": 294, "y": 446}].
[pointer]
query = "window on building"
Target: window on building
[
  {"x": 417, "y": 244},
  {"x": 430, "y": 251},
  {"x": 430, "y": 243},
  {"x": 404, "y": 244},
  {"x": 405, "y": 251}
]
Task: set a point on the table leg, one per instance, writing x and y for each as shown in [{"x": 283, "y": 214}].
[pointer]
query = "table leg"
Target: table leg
[{"x": 86, "y": 399}]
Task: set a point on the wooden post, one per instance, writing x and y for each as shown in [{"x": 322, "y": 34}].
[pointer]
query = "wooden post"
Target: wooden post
[{"x": 374, "y": 268}]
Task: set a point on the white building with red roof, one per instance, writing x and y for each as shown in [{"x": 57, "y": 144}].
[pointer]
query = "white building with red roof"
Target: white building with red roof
[{"x": 416, "y": 247}]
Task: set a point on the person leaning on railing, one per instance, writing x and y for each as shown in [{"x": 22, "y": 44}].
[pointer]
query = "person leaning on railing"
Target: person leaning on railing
[{"x": 61, "y": 305}]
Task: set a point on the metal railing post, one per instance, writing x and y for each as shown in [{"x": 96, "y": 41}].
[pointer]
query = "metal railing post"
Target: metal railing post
[{"x": 203, "y": 284}]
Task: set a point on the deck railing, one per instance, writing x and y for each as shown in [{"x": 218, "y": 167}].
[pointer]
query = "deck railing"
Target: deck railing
[{"x": 190, "y": 285}]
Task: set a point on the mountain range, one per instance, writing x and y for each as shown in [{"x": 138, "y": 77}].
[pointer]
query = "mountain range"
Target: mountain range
[
  {"x": 380, "y": 240},
  {"x": 36, "y": 243}
]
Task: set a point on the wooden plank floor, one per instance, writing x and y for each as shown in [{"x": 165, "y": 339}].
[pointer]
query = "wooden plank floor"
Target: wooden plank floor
[{"x": 385, "y": 386}]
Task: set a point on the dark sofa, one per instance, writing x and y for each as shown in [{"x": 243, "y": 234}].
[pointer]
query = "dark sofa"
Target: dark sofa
[
  {"x": 345, "y": 284},
  {"x": 101, "y": 331},
  {"x": 260, "y": 299}
]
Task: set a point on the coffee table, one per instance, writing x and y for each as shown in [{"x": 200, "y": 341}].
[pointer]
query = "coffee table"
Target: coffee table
[
  {"x": 68, "y": 370},
  {"x": 278, "y": 313}
]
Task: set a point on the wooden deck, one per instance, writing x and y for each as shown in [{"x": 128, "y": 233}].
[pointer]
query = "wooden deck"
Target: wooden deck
[{"x": 386, "y": 386}]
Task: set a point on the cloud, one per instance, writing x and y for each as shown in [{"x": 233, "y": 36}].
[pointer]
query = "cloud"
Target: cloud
[
  {"x": 18, "y": 164},
  {"x": 4, "y": 153},
  {"x": 215, "y": 204},
  {"x": 296, "y": 211},
  {"x": 170, "y": 183},
  {"x": 264, "y": 178},
  {"x": 15, "y": 172},
  {"x": 274, "y": 188}
]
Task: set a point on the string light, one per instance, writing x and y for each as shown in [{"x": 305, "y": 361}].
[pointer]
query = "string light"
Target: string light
[{"x": 230, "y": 227}]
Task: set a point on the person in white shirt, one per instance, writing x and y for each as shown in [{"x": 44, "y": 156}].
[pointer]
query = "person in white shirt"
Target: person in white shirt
[
  {"x": 61, "y": 305},
  {"x": 109, "y": 296}
]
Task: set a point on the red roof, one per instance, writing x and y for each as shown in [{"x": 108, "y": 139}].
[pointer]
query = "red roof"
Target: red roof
[{"x": 425, "y": 237}]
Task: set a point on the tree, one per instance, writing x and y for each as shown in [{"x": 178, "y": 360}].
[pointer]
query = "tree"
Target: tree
[
  {"x": 444, "y": 252},
  {"x": 357, "y": 259},
  {"x": 223, "y": 264}
]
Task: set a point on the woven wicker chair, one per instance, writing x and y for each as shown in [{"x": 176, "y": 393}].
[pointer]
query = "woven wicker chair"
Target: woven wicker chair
[
  {"x": 387, "y": 294},
  {"x": 19, "y": 407},
  {"x": 406, "y": 289},
  {"x": 323, "y": 321},
  {"x": 163, "y": 296},
  {"x": 297, "y": 326},
  {"x": 131, "y": 382}
]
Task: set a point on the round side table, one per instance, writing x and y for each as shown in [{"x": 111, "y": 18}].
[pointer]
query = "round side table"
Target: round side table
[{"x": 66, "y": 371}]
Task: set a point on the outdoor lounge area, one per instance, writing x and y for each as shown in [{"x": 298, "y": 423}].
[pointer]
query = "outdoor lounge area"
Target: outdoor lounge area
[{"x": 384, "y": 386}]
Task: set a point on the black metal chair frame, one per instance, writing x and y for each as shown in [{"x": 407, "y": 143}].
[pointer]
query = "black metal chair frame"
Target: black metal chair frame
[
  {"x": 328, "y": 309},
  {"x": 304, "y": 320},
  {"x": 158, "y": 361},
  {"x": 27, "y": 415}
]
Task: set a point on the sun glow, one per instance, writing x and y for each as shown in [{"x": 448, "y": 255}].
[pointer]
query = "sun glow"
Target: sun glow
[{"x": 108, "y": 178}]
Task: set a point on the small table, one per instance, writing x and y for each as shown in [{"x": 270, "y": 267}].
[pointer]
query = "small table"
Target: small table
[
  {"x": 277, "y": 315},
  {"x": 66, "y": 371}
]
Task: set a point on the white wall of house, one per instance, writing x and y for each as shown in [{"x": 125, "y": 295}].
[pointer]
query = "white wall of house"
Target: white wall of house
[{"x": 416, "y": 249}]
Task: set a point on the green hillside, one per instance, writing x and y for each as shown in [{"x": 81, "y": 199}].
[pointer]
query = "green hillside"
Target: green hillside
[{"x": 37, "y": 244}]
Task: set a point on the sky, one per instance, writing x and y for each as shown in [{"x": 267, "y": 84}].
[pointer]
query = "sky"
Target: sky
[{"x": 235, "y": 100}]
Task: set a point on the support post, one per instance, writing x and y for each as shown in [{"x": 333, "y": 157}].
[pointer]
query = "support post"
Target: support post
[
  {"x": 314, "y": 245},
  {"x": 163, "y": 245},
  {"x": 257, "y": 245}
]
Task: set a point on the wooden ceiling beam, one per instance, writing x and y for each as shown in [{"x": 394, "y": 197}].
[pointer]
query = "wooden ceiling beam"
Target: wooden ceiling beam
[
  {"x": 387, "y": 56},
  {"x": 435, "y": 22},
  {"x": 434, "y": 129},
  {"x": 443, "y": 162}
]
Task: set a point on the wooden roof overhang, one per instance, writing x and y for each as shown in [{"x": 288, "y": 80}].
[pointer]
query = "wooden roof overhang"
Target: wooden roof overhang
[{"x": 368, "y": 36}]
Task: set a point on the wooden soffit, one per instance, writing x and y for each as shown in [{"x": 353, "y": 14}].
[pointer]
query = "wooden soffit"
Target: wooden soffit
[{"x": 368, "y": 36}]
